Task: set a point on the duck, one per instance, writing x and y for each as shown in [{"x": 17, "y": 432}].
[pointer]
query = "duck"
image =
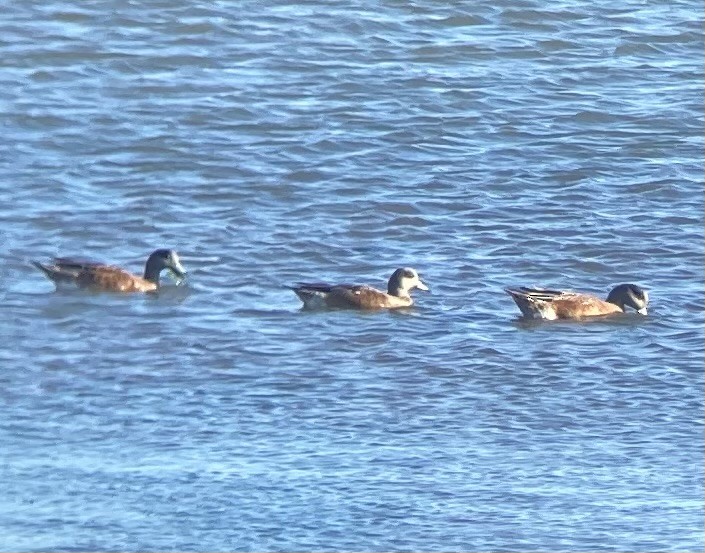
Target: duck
[
  {"x": 362, "y": 296},
  {"x": 100, "y": 277},
  {"x": 538, "y": 303}
]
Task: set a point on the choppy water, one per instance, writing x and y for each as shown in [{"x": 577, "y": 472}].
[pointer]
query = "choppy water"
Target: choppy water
[{"x": 485, "y": 144}]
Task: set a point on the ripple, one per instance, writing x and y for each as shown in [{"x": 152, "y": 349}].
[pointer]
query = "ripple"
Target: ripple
[{"x": 484, "y": 145}]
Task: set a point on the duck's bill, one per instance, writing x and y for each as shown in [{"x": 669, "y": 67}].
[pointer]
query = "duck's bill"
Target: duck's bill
[
  {"x": 178, "y": 273},
  {"x": 422, "y": 286},
  {"x": 641, "y": 311}
]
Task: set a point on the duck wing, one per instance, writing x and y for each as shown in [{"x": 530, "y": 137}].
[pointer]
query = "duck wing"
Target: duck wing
[{"x": 112, "y": 279}]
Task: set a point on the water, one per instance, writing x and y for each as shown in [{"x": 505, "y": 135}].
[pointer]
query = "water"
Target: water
[{"x": 485, "y": 144}]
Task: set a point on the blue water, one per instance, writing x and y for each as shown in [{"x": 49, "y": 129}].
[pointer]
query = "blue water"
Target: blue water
[{"x": 485, "y": 144}]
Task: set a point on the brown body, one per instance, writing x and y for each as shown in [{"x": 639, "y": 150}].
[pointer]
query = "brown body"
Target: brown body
[
  {"x": 551, "y": 304},
  {"x": 99, "y": 277},
  {"x": 360, "y": 296},
  {"x": 349, "y": 296},
  {"x": 113, "y": 279}
]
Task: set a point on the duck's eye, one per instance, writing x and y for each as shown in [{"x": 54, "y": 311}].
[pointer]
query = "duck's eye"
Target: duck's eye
[{"x": 409, "y": 274}]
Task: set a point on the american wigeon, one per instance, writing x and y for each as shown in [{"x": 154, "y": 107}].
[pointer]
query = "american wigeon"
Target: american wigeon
[
  {"x": 108, "y": 278},
  {"x": 537, "y": 303},
  {"x": 361, "y": 296}
]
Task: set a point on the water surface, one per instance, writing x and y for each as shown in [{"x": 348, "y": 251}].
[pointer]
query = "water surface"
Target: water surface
[{"x": 486, "y": 144}]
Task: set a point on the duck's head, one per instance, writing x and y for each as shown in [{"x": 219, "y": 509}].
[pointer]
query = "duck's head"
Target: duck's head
[
  {"x": 404, "y": 280},
  {"x": 164, "y": 259},
  {"x": 629, "y": 295}
]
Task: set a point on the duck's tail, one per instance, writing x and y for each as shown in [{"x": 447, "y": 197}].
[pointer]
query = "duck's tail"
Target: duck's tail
[{"x": 56, "y": 273}]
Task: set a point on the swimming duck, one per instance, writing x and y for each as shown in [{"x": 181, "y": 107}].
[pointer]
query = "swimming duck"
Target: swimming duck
[
  {"x": 361, "y": 296},
  {"x": 108, "y": 278},
  {"x": 538, "y": 303}
]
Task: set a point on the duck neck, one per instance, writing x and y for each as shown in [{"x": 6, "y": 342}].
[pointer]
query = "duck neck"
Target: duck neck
[
  {"x": 397, "y": 291},
  {"x": 615, "y": 300},
  {"x": 151, "y": 271}
]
